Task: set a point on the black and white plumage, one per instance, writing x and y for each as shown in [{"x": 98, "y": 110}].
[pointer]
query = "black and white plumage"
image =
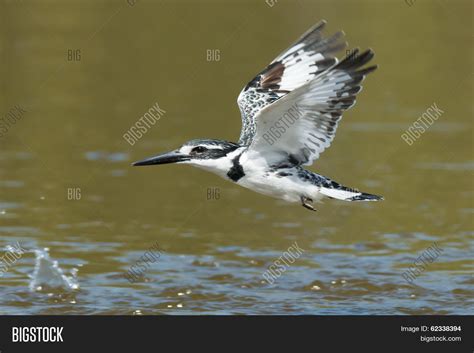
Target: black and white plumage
[{"x": 290, "y": 113}]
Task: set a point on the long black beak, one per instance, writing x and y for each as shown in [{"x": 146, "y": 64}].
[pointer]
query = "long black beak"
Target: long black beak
[{"x": 165, "y": 158}]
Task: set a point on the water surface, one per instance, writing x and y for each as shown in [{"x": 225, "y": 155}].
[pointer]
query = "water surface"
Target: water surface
[{"x": 214, "y": 251}]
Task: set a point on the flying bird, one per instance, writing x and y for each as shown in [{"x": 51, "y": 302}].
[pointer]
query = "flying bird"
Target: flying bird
[{"x": 290, "y": 112}]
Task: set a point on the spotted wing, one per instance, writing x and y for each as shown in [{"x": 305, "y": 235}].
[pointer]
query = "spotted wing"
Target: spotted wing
[
  {"x": 299, "y": 126},
  {"x": 304, "y": 60}
]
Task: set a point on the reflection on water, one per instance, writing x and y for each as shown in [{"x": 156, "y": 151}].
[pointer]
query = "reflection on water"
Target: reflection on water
[{"x": 215, "y": 250}]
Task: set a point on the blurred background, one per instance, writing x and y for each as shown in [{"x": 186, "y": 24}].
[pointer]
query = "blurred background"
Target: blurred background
[{"x": 77, "y": 75}]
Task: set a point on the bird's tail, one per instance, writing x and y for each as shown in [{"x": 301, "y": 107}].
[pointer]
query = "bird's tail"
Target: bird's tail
[{"x": 341, "y": 192}]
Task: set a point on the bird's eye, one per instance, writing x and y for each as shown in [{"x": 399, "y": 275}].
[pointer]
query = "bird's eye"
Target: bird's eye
[{"x": 199, "y": 149}]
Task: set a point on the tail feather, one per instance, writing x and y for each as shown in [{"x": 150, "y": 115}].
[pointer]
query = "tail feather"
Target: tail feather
[
  {"x": 365, "y": 197},
  {"x": 341, "y": 192}
]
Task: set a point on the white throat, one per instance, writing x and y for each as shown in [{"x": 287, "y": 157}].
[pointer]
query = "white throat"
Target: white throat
[{"x": 219, "y": 166}]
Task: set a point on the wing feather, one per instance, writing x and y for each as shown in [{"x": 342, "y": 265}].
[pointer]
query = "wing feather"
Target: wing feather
[
  {"x": 304, "y": 60},
  {"x": 302, "y": 124}
]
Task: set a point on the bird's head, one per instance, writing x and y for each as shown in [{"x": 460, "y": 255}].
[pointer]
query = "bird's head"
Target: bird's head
[{"x": 212, "y": 155}]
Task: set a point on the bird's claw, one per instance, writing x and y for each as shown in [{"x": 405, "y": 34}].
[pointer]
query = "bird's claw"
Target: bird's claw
[{"x": 307, "y": 203}]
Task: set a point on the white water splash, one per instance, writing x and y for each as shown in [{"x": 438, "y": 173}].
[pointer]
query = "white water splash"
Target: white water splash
[{"x": 48, "y": 274}]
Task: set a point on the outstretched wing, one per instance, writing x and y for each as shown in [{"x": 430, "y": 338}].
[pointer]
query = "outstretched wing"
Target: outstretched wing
[
  {"x": 299, "y": 126},
  {"x": 294, "y": 118},
  {"x": 304, "y": 60}
]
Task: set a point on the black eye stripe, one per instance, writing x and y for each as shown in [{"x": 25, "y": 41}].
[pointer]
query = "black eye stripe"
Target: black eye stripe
[
  {"x": 212, "y": 150},
  {"x": 199, "y": 149}
]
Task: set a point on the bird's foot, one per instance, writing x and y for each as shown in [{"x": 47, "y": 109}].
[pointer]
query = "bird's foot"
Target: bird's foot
[{"x": 307, "y": 203}]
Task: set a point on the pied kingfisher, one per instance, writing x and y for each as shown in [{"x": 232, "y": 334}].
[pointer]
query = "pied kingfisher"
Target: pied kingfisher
[{"x": 290, "y": 112}]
